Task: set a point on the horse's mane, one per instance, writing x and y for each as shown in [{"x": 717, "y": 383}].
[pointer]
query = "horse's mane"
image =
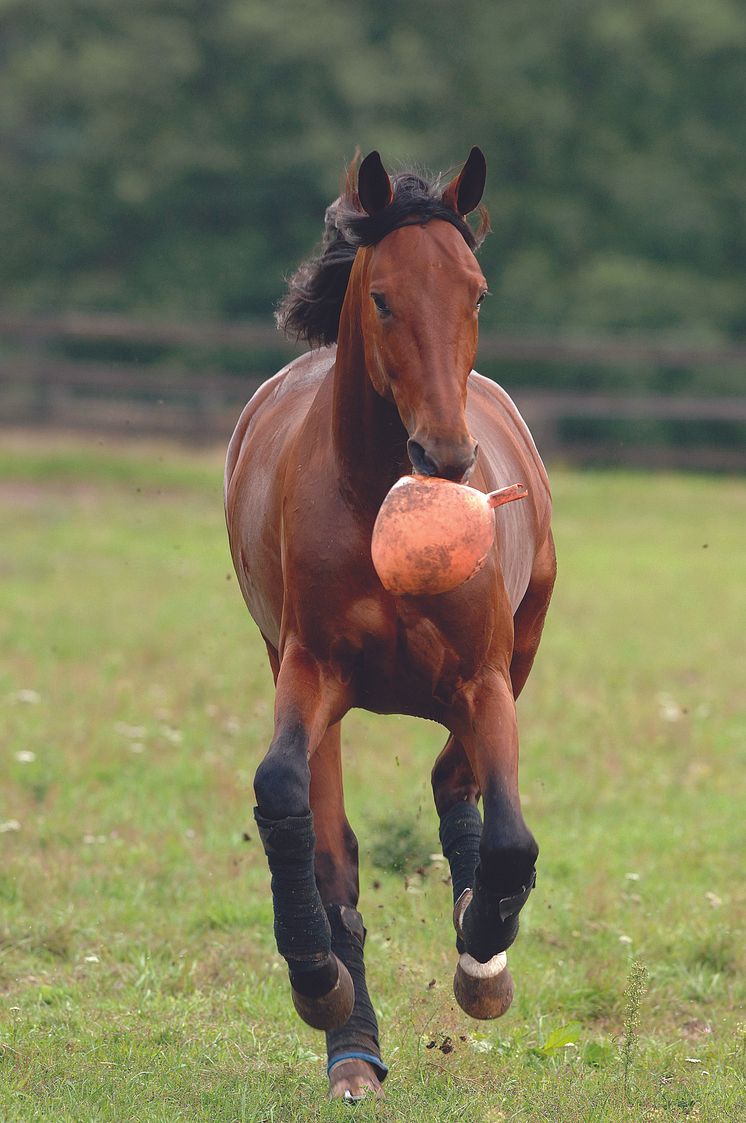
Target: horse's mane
[{"x": 311, "y": 307}]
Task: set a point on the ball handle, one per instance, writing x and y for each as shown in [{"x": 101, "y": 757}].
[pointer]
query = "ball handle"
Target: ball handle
[{"x": 507, "y": 494}]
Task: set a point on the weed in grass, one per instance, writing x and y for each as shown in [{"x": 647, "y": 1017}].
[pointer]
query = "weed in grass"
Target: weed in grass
[
  {"x": 737, "y": 1057},
  {"x": 558, "y": 1040},
  {"x": 636, "y": 986}
]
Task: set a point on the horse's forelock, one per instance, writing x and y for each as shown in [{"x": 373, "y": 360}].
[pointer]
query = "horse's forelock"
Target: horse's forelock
[
  {"x": 312, "y": 305},
  {"x": 417, "y": 198}
]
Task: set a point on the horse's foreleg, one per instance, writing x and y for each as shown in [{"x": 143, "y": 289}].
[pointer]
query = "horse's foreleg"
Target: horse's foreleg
[
  {"x": 456, "y": 792},
  {"x": 486, "y": 913},
  {"x": 306, "y": 699},
  {"x": 355, "y": 1066}
]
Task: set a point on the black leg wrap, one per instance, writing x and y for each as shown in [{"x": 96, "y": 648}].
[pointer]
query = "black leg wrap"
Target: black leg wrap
[
  {"x": 358, "y": 1037},
  {"x": 490, "y": 923},
  {"x": 302, "y": 929},
  {"x": 460, "y": 833}
]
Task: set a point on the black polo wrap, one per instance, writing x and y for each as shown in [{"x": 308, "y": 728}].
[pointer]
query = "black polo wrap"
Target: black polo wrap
[
  {"x": 358, "y": 1037},
  {"x": 460, "y": 833},
  {"x": 302, "y": 929},
  {"x": 490, "y": 923}
]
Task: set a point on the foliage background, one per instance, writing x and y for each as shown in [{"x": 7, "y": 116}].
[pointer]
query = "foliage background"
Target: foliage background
[{"x": 177, "y": 155}]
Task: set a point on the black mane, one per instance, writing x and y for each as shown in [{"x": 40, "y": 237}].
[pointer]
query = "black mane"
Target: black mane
[{"x": 311, "y": 308}]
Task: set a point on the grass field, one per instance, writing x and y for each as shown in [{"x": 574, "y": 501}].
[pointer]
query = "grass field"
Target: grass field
[{"x": 138, "y": 976}]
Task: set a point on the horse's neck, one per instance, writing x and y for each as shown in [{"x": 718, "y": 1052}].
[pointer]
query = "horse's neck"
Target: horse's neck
[{"x": 369, "y": 439}]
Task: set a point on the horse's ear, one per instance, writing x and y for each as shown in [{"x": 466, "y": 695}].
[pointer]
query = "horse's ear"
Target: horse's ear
[
  {"x": 373, "y": 185},
  {"x": 463, "y": 193}
]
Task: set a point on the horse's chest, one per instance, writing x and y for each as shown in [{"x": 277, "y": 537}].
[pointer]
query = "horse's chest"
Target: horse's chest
[
  {"x": 397, "y": 654},
  {"x": 417, "y": 661}
]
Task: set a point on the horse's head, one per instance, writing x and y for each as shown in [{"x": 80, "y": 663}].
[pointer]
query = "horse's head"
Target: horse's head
[{"x": 420, "y": 289}]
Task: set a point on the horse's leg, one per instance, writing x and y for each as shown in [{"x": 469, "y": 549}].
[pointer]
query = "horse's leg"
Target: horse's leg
[
  {"x": 486, "y": 912},
  {"x": 306, "y": 699},
  {"x": 355, "y": 1065}
]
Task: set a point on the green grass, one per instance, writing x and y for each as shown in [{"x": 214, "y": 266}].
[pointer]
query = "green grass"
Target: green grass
[{"x": 138, "y": 976}]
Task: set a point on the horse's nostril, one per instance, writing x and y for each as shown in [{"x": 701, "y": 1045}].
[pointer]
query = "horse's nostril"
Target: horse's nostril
[
  {"x": 448, "y": 467},
  {"x": 423, "y": 464}
]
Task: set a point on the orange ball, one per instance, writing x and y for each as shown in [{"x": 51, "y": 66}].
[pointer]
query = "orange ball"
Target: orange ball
[{"x": 431, "y": 535}]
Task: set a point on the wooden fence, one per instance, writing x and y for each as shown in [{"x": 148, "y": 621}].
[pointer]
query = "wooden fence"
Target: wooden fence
[{"x": 38, "y": 388}]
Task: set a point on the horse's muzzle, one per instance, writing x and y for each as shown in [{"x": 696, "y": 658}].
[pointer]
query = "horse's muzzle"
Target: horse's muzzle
[{"x": 449, "y": 462}]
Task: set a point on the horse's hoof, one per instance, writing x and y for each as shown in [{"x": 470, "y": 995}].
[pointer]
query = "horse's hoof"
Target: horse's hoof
[
  {"x": 354, "y": 1080},
  {"x": 330, "y": 1010},
  {"x": 483, "y": 990}
]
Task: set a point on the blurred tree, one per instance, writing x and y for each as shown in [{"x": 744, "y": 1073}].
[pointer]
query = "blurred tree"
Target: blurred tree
[
  {"x": 177, "y": 155},
  {"x": 617, "y": 154}
]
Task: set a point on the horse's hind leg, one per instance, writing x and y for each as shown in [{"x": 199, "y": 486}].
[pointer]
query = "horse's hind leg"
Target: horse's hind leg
[
  {"x": 456, "y": 792},
  {"x": 355, "y": 1065},
  {"x": 306, "y": 699}
]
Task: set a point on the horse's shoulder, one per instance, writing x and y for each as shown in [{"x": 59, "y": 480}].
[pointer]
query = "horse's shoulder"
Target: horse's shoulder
[
  {"x": 305, "y": 372},
  {"x": 293, "y": 386},
  {"x": 492, "y": 400},
  {"x": 486, "y": 390},
  {"x": 301, "y": 376}
]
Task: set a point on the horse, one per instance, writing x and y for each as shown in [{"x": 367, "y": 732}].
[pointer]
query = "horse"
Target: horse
[{"x": 389, "y": 306}]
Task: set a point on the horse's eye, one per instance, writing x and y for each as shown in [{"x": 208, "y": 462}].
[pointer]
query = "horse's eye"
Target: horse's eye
[
  {"x": 380, "y": 302},
  {"x": 480, "y": 301}
]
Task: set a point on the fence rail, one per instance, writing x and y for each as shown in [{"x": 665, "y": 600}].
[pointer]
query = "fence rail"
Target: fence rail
[
  {"x": 263, "y": 335},
  {"x": 40, "y": 389}
]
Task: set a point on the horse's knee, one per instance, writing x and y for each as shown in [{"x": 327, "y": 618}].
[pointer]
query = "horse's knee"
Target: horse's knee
[{"x": 282, "y": 780}]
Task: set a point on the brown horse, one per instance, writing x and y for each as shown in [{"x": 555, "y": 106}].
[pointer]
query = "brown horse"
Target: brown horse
[{"x": 398, "y": 288}]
